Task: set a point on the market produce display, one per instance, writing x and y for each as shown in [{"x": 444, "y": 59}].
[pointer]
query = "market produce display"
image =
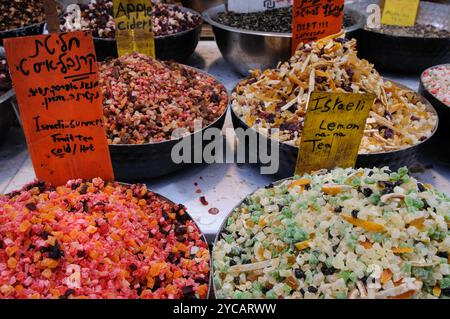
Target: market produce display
[
  {"x": 93, "y": 239},
  {"x": 145, "y": 100},
  {"x": 437, "y": 81},
  {"x": 366, "y": 233},
  {"x": 20, "y": 13},
  {"x": 418, "y": 30},
  {"x": 274, "y": 101},
  {"x": 276, "y": 20},
  {"x": 97, "y": 16},
  {"x": 5, "y": 80}
]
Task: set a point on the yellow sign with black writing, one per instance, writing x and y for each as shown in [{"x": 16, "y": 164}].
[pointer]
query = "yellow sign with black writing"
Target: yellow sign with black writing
[
  {"x": 134, "y": 27},
  {"x": 333, "y": 129},
  {"x": 400, "y": 12}
]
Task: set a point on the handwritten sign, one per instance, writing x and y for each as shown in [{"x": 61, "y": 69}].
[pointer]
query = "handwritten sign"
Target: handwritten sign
[
  {"x": 316, "y": 19},
  {"x": 134, "y": 27},
  {"x": 400, "y": 12},
  {"x": 334, "y": 127},
  {"x": 57, "y": 87},
  {"x": 256, "y": 5}
]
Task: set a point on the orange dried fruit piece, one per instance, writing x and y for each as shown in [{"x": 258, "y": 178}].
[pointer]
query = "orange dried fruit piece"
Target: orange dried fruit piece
[
  {"x": 365, "y": 224},
  {"x": 386, "y": 275},
  {"x": 406, "y": 295},
  {"x": 24, "y": 226},
  {"x": 418, "y": 223},
  {"x": 366, "y": 244},
  {"x": 437, "y": 291},
  {"x": 300, "y": 182},
  {"x": 402, "y": 250},
  {"x": 331, "y": 189},
  {"x": 302, "y": 245}
]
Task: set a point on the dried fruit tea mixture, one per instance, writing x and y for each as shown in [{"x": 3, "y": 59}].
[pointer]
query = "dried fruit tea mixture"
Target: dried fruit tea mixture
[
  {"x": 437, "y": 81},
  {"x": 277, "y": 98},
  {"x": 145, "y": 100},
  {"x": 93, "y": 239},
  {"x": 15, "y": 14},
  {"x": 366, "y": 233}
]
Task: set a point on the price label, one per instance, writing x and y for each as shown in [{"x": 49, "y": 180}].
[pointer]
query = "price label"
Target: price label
[
  {"x": 134, "y": 27},
  {"x": 256, "y": 5},
  {"x": 316, "y": 19},
  {"x": 56, "y": 82},
  {"x": 334, "y": 127},
  {"x": 400, "y": 12}
]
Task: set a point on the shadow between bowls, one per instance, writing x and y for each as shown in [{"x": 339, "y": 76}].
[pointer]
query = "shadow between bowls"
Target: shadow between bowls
[
  {"x": 174, "y": 47},
  {"x": 246, "y": 50},
  {"x": 7, "y": 116},
  {"x": 34, "y": 29},
  {"x": 288, "y": 153}
]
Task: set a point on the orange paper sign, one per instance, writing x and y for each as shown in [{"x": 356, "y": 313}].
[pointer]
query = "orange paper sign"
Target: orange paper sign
[
  {"x": 56, "y": 82},
  {"x": 316, "y": 19}
]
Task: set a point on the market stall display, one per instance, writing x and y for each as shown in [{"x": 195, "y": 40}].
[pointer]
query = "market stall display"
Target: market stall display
[
  {"x": 21, "y": 18},
  {"x": 409, "y": 49},
  {"x": 94, "y": 239},
  {"x": 7, "y": 116},
  {"x": 261, "y": 40},
  {"x": 176, "y": 29},
  {"x": 274, "y": 103},
  {"x": 145, "y": 101},
  {"x": 366, "y": 233}
]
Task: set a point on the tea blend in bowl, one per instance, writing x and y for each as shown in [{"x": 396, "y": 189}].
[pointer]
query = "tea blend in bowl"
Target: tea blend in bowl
[
  {"x": 97, "y": 17},
  {"x": 145, "y": 100},
  {"x": 437, "y": 81},
  {"x": 15, "y": 14},
  {"x": 276, "y": 20},
  {"x": 417, "y": 31}
]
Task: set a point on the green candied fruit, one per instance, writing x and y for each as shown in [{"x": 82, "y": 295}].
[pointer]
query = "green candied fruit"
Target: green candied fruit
[
  {"x": 230, "y": 222},
  {"x": 445, "y": 283},
  {"x": 271, "y": 294},
  {"x": 410, "y": 201},
  {"x": 229, "y": 239},
  {"x": 437, "y": 234},
  {"x": 426, "y": 274},
  {"x": 238, "y": 294},
  {"x": 287, "y": 289},
  {"x": 287, "y": 212},
  {"x": 341, "y": 295},
  {"x": 377, "y": 237},
  {"x": 352, "y": 242},
  {"x": 250, "y": 242},
  {"x": 345, "y": 275},
  {"x": 312, "y": 259},
  {"x": 369, "y": 180},
  {"x": 356, "y": 182},
  {"x": 406, "y": 268},
  {"x": 403, "y": 171},
  {"x": 217, "y": 282},
  {"x": 276, "y": 275},
  {"x": 394, "y": 177},
  {"x": 255, "y": 208},
  {"x": 375, "y": 199}
]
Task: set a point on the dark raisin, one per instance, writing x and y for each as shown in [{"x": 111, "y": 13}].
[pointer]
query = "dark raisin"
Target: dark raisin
[
  {"x": 421, "y": 187},
  {"x": 133, "y": 267},
  {"x": 237, "y": 280},
  {"x": 55, "y": 252},
  {"x": 265, "y": 290},
  {"x": 83, "y": 189},
  {"x": 31, "y": 206},
  {"x": 442, "y": 254},
  {"x": 335, "y": 247},
  {"x": 370, "y": 173},
  {"x": 355, "y": 213},
  {"x": 180, "y": 230},
  {"x": 299, "y": 274},
  {"x": 232, "y": 262},
  {"x": 200, "y": 280},
  {"x": 312, "y": 289},
  {"x": 302, "y": 291},
  {"x": 425, "y": 204},
  {"x": 328, "y": 271},
  {"x": 446, "y": 291},
  {"x": 268, "y": 186},
  {"x": 338, "y": 209},
  {"x": 81, "y": 254},
  {"x": 367, "y": 192}
]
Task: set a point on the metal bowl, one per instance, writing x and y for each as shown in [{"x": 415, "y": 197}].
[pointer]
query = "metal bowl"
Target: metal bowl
[
  {"x": 408, "y": 54},
  {"x": 148, "y": 161},
  {"x": 288, "y": 153},
  {"x": 7, "y": 116},
  {"x": 33, "y": 29},
  {"x": 247, "y": 50},
  {"x": 201, "y": 5},
  {"x": 177, "y": 47}
]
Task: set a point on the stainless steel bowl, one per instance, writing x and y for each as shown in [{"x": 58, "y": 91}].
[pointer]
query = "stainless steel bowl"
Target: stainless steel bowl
[
  {"x": 201, "y": 5},
  {"x": 247, "y": 50}
]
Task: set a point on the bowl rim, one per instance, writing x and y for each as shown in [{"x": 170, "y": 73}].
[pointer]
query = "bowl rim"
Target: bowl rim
[
  {"x": 117, "y": 146},
  {"x": 425, "y": 87},
  {"x": 402, "y": 37},
  {"x": 161, "y": 37},
  {"x": 213, "y": 11},
  {"x": 430, "y": 108},
  {"x": 7, "y": 95}
]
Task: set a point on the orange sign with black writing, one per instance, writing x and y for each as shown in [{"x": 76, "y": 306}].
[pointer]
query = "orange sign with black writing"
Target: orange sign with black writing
[
  {"x": 56, "y": 82},
  {"x": 316, "y": 19}
]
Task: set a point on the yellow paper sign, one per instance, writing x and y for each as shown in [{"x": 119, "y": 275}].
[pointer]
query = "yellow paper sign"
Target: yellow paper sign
[
  {"x": 334, "y": 127},
  {"x": 400, "y": 12},
  {"x": 134, "y": 27}
]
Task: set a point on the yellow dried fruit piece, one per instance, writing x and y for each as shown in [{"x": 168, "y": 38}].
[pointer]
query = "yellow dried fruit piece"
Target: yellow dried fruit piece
[
  {"x": 12, "y": 263},
  {"x": 302, "y": 245},
  {"x": 300, "y": 182},
  {"x": 366, "y": 244},
  {"x": 386, "y": 276},
  {"x": 331, "y": 189},
  {"x": 418, "y": 223},
  {"x": 24, "y": 226},
  {"x": 437, "y": 291},
  {"x": 367, "y": 225}
]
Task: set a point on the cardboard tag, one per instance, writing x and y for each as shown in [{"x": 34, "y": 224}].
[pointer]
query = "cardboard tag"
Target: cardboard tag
[
  {"x": 400, "y": 12},
  {"x": 256, "y": 5},
  {"x": 334, "y": 127},
  {"x": 57, "y": 86},
  {"x": 316, "y": 19},
  {"x": 51, "y": 15},
  {"x": 134, "y": 27}
]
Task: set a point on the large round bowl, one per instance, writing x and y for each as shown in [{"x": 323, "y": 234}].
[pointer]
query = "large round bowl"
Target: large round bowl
[
  {"x": 177, "y": 47},
  {"x": 201, "y": 5},
  {"x": 408, "y": 54},
  {"x": 7, "y": 115},
  {"x": 288, "y": 153},
  {"x": 248, "y": 50},
  {"x": 34, "y": 29},
  {"x": 148, "y": 161}
]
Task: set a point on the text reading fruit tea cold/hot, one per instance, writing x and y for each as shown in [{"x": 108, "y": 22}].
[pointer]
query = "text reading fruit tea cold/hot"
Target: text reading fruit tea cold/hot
[
  {"x": 316, "y": 19},
  {"x": 134, "y": 27},
  {"x": 333, "y": 129},
  {"x": 56, "y": 82}
]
